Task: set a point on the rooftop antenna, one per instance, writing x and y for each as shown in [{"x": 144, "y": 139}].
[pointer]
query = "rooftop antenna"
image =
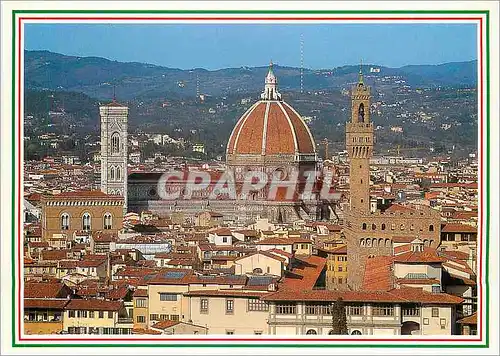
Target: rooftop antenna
[
  {"x": 301, "y": 63},
  {"x": 197, "y": 87}
]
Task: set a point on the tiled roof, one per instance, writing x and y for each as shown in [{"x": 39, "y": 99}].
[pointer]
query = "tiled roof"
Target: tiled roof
[
  {"x": 263, "y": 253},
  {"x": 304, "y": 273},
  {"x": 471, "y": 319},
  {"x": 165, "y": 324},
  {"x": 458, "y": 228},
  {"x": 141, "y": 293},
  {"x": 462, "y": 280},
  {"x": 402, "y": 295},
  {"x": 273, "y": 127},
  {"x": 459, "y": 266},
  {"x": 236, "y": 293},
  {"x": 280, "y": 252},
  {"x": 283, "y": 241},
  {"x": 378, "y": 273},
  {"x": 221, "y": 232},
  {"x": 454, "y": 185},
  {"x": 419, "y": 257},
  {"x": 93, "y": 304},
  {"x": 403, "y": 239},
  {"x": 43, "y": 290},
  {"x": 42, "y": 303},
  {"x": 55, "y": 255},
  {"x": 426, "y": 281}
]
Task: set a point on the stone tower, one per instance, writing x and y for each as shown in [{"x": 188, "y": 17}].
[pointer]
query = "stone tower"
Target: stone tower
[
  {"x": 359, "y": 144},
  {"x": 114, "y": 122}
]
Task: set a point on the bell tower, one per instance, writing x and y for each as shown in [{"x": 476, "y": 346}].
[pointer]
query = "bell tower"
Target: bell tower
[{"x": 359, "y": 145}]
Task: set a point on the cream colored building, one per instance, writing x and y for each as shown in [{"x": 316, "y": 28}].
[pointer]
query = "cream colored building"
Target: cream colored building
[
  {"x": 236, "y": 312},
  {"x": 261, "y": 262},
  {"x": 92, "y": 316}
]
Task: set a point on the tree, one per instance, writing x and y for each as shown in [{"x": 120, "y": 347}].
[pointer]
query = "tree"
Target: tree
[{"x": 339, "y": 318}]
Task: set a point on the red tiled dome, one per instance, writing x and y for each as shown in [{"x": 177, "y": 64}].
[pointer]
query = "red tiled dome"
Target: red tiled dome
[{"x": 271, "y": 127}]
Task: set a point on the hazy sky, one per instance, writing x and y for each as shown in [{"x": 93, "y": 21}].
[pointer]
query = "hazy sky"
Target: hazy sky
[{"x": 214, "y": 46}]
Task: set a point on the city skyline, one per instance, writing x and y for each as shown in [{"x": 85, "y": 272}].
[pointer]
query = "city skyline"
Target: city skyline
[{"x": 223, "y": 48}]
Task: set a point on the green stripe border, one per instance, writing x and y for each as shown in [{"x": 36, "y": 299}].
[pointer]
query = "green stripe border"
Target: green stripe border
[{"x": 333, "y": 344}]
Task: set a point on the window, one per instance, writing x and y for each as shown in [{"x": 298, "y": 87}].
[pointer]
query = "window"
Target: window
[
  {"x": 110, "y": 314},
  {"x": 374, "y": 227},
  {"x": 435, "y": 312},
  {"x": 86, "y": 222},
  {"x": 140, "y": 303},
  {"x": 402, "y": 226},
  {"x": 257, "y": 332},
  {"x": 383, "y": 227},
  {"x": 115, "y": 143},
  {"x": 65, "y": 221},
  {"x": 153, "y": 317},
  {"x": 101, "y": 314},
  {"x": 168, "y": 297},
  {"x": 257, "y": 305},
  {"x": 436, "y": 289},
  {"x": 431, "y": 227},
  {"x": 107, "y": 221},
  {"x": 354, "y": 310},
  {"x": 118, "y": 173},
  {"x": 286, "y": 309},
  {"x": 174, "y": 317},
  {"x": 340, "y": 268},
  {"x": 393, "y": 226},
  {"x": 112, "y": 173},
  {"x": 229, "y": 332},
  {"x": 204, "y": 305},
  {"x": 364, "y": 226},
  {"x": 163, "y": 317},
  {"x": 426, "y": 321},
  {"x": 383, "y": 310},
  {"x": 91, "y": 314},
  {"x": 229, "y": 306},
  {"x": 81, "y": 313},
  {"x": 224, "y": 239},
  {"x": 356, "y": 332},
  {"x": 71, "y": 314},
  {"x": 311, "y": 332},
  {"x": 340, "y": 280},
  {"x": 141, "y": 319}
]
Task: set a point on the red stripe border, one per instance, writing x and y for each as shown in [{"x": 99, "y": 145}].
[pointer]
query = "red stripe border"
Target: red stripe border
[{"x": 232, "y": 18}]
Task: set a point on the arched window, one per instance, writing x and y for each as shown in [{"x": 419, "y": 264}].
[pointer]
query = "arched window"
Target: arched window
[
  {"x": 387, "y": 242},
  {"x": 86, "y": 222},
  {"x": 115, "y": 143},
  {"x": 431, "y": 227},
  {"x": 108, "y": 221},
  {"x": 374, "y": 227},
  {"x": 118, "y": 173},
  {"x": 356, "y": 332},
  {"x": 383, "y": 226},
  {"x": 374, "y": 242},
  {"x": 431, "y": 242},
  {"x": 381, "y": 242},
  {"x": 412, "y": 227},
  {"x": 364, "y": 226},
  {"x": 368, "y": 243},
  {"x": 65, "y": 221},
  {"x": 402, "y": 226},
  {"x": 393, "y": 226},
  {"x": 112, "y": 173},
  {"x": 311, "y": 332},
  {"x": 426, "y": 242},
  {"x": 362, "y": 242},
  {"x": 331, "y": 332},
  {"x": 257, "y": 270},
  {"x": 361, "y": 113}
]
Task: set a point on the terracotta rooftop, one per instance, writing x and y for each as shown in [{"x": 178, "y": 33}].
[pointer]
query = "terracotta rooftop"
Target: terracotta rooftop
[
  {"x": 378, "y": 274},
  {"x": 426, "y": 281},
  {"x": 459, "y": 228},
  {"x": 402, "y": 295},
  {"x": 263, "y": 253},
  {"x": 165, "y": 324},
  {"x": 469, "y": 320},
  {"x": 280, "y": 252},
  {"x": 237, "y": 293},
  {"x": 41, "y": 303},
  {"x": 141, "y": 331},
  {"x": 141, "y": 293},
  {"x": 93, "y": 304},
  {"x": 304, "y": 274},
  {"x": 283, "y": 241},
  {"x": 43, "y": 290},
  {"x": 429, "y": 256}
]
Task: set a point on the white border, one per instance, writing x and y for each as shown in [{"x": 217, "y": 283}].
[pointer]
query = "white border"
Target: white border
[{"x": 6, "y": 143}]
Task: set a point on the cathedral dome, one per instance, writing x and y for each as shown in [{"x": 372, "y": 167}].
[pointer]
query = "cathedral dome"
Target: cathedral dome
[{"x": 271, "y": 127}]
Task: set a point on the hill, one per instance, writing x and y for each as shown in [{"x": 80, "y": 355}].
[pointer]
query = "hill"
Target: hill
[{"x": 97, "y": 76}]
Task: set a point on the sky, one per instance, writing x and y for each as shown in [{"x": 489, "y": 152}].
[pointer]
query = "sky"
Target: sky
[{"x": 215, "y": 46}]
